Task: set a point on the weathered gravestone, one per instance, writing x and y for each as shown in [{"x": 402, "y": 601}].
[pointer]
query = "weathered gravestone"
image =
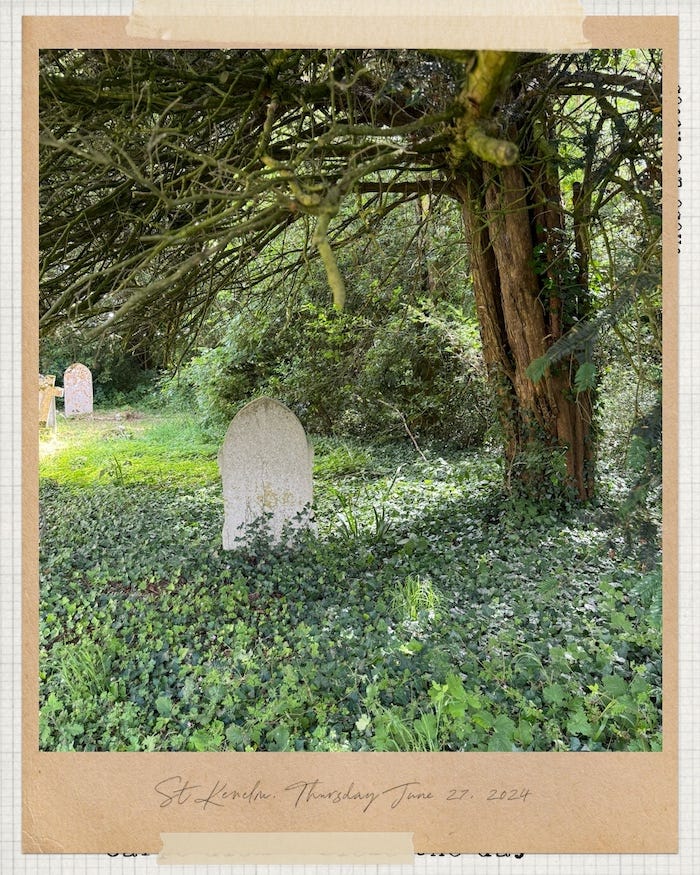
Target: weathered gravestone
[
  {"x": 48, "y": 393},
  {"x": 77, "y": 389},
  {"x": 266, "y": 466}
]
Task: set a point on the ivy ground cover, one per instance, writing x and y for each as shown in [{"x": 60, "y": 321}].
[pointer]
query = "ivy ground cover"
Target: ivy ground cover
[{"x": 430, "y": 611}]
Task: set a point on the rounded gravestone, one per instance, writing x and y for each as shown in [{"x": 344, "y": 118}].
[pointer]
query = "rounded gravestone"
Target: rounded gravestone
[
  {"x": 77, "y": 390},
  {"x": 266, "y": 465}
]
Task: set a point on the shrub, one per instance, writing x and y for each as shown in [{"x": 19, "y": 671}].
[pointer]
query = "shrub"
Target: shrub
[
  {"x": 119, "y": 376},
  {"x": 404, "y": 370}
]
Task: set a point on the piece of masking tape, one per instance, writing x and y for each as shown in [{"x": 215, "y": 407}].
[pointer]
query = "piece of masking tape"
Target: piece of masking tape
[
  {"x": 534, "y": 25},
  {"x": 286, "y": 848}
]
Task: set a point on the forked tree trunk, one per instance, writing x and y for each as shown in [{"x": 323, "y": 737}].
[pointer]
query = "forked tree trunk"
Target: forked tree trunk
[{"x": 515, "y": 230}]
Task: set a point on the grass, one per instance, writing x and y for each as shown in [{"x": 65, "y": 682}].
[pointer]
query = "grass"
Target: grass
[
  {"x": 414, "y": 594},
  {"x": 126, "y": 447},
  {"x": 431, "y": 611}
]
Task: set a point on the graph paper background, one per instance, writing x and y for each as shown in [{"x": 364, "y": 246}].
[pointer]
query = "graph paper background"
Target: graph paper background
[{"x": 11, "y": 859}]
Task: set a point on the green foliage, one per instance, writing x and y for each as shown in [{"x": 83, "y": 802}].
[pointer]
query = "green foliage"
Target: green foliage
[
  {"x": 119, "y": 376},
  {"x": 631, "y": 444},
  {"x": 537, "y": 368},
  {"x": 476, "y": 622},
  {"x": 84, "y": 669},
  {"x": 413, "y": 595},
  {"x": 383, "y": 369},
  {"x": 364, "y": 513},
  {"x": 585, "y": 378},
  {"x": 400, "y": 360},
  {"x": 337, "y": 458}
]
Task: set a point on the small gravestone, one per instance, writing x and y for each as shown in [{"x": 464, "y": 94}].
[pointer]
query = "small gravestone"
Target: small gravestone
[
  {"x": 47, "y": 400},
  {"x": 77, "y": 389},
  {"x": 266, "y": 464}
]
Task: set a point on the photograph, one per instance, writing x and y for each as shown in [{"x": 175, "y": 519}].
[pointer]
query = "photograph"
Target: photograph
[{"x": 350, "y": 401}]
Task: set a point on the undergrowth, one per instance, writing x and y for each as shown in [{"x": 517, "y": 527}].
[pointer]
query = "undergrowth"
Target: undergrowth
[{"x": 430, "y": 611}]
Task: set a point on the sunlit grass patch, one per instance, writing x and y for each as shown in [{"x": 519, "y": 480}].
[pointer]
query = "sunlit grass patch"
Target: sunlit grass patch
[{"x": 119, "y": 449}]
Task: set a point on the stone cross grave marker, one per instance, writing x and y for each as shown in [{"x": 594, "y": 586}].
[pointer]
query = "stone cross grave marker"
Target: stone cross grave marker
[
  {"x": 266, "y": 464},
  {"x": 77, "y": 387},
  {"x": 48, "y": 393}
]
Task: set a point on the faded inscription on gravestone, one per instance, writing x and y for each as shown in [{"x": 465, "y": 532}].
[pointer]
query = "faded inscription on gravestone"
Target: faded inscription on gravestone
[
  {"x": 266, "y": 464},
  {"x": 77, "y": 390}
]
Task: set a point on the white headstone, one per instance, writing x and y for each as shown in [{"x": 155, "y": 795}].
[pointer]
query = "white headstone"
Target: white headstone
[
  {"x": 266, "y": 464},
  {"x": 77, "y": 390}
]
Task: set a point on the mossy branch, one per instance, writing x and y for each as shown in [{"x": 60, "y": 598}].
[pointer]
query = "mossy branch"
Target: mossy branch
[
  {"x": 335, "y": 278},
  {"x": 476, "y": 141},
  {"x": 324, "y": 206},
  {"x": 487, "y": 77}
]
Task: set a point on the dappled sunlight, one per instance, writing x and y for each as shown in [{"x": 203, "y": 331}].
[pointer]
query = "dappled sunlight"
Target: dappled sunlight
[
  {"x": 50, "y": 442},
  {"x": 469, "y": 328},
  {"x": 450, "y": 615}
]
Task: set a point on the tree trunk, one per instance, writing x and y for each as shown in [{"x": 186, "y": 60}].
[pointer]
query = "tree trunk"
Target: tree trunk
[{"x": 522, "y": 286}]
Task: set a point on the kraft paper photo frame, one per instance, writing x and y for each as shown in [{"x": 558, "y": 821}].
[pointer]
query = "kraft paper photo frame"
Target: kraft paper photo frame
[{"x": 91, "y": 803}]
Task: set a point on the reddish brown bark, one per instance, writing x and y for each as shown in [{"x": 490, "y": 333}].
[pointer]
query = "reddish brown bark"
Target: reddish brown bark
[{"x": 519, "y": 299}]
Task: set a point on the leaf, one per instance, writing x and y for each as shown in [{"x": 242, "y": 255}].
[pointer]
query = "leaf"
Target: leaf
[
  {"x": 280, "y": 736},
  {"x": 164, "y": 706},
  {"x": 536, "y": 369},
  {"x": 473, "y": 700},
  {"x": 524, "y": 733},
  {"x": 578, "y": 724},
  {"x": 455, "y": 688},
  {"x": 554, "y": 694},
  {"x": 483, "y": 720},
  {"x": 205, "y": 740},
  {"x": 363, "y": 722},
  {"x": 585, "y": 377},
  {"x": 615, "y": 686},
  {"x": 236, "y": 737},
  {"x": 426, "y": 731},
  {"x": 502, "y": 739}
]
